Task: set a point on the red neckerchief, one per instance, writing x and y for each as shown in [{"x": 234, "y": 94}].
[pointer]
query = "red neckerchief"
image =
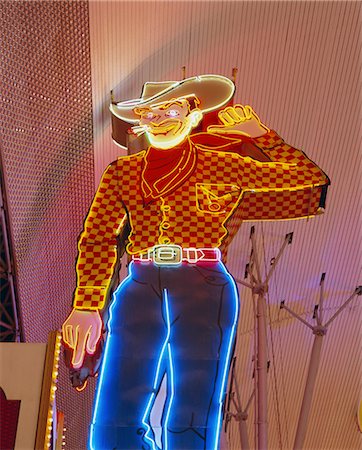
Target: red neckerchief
[{"x": 165, "y": 170}]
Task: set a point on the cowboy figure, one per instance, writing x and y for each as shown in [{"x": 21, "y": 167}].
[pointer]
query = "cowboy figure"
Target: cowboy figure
[{"x": 176, "y": 206}]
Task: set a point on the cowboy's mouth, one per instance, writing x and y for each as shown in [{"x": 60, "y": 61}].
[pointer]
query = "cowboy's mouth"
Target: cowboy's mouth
[{"x": 164, "y": 127}]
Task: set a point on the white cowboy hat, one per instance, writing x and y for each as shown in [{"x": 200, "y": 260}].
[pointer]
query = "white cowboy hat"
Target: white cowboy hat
[{"x": 213, "y": 91}]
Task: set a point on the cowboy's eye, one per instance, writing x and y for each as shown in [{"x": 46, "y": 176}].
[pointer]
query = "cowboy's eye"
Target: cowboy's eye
[
  {"x": 149, "y": 115},
  {"x": 172, "y": 113}
]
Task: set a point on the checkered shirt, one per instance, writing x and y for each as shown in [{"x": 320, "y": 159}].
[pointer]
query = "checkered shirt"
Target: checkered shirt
[{"x": 223, "y": 190}]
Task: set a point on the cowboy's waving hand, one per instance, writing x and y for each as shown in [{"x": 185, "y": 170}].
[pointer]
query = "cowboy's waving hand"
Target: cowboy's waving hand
[{"x": 241, "y": 120}]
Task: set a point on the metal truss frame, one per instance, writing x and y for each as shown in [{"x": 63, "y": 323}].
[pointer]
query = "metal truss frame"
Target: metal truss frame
[{"x": 9, "y": 321}]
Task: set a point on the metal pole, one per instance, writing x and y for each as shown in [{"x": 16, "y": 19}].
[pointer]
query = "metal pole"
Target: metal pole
[
  {"x": 358, "y": 291},
  {"x": 223, "y": 441},
  {"x": 242, "y": 417},
  {"x": 244, "y": 283},
  {"x": 318, "y": 332},
  {"x": 288, "y": 240},
  {"x": 255, "y": 258},
  {"x": 292, "y": 313},
  {"x": 259, "y": 288},
  {"x": 262, "y": 369},
  {"x": 321, "y": 298},
  {"x": 243, "y": 432}
]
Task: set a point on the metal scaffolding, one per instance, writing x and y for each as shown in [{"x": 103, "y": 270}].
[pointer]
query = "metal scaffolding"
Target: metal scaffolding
[
  {"x": 9, "y": 322},
  {"x": 319, "y": 330},
  {"x": 259, "y": 287}
]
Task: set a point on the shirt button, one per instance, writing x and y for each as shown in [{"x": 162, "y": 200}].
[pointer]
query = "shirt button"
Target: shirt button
[
  {"x": 165, "y": 225},
  {"x": 165, "y": 208},
  {"x": 214, "y": 207},
  {"x": 164, "y": 240}
]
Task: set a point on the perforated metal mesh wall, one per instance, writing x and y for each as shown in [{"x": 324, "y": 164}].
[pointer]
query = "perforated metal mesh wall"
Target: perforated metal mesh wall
[{"x": 47, "y": 146}]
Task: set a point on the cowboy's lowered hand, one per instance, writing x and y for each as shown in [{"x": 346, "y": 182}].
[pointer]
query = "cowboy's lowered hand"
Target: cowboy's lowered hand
[
  {"x": 241, "y": 120},
  {"x": 81, "y": 332}
]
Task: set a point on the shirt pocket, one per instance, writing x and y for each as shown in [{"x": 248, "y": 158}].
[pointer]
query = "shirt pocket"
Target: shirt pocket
[{"x": 216, "y": 198}]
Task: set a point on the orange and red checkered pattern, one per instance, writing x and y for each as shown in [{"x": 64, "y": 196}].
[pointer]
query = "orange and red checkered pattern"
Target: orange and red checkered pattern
[
  {"x": 280, "y": 205},
  {"x": 268, "y": 140},
  {"x": 223, "y": 186},
  {"x": 98, "y": 243}
]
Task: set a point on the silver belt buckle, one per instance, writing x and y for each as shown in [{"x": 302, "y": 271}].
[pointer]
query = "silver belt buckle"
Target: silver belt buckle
[{"x": 167, "y": 255}]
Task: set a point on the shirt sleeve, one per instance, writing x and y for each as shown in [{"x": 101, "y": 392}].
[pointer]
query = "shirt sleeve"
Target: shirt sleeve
[
  {"x": 97, "y": 245},
  {"x": 290, "y": 186}
]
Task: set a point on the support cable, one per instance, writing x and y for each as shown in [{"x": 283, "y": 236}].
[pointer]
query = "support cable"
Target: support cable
[
  {"x": 248, "y": 273},
  {"x": 276, "y": 396},
  {"x": 255, "y": 373},
  {"x": 280, "y": 350},
  {"x": 283, "y": 382}
]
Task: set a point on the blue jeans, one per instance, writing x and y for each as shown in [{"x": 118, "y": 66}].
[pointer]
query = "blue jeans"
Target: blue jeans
[{"x": 179, "y": 321}]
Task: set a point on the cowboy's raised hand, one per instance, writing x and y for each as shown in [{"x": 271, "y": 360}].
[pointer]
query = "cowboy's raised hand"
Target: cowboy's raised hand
[{"x": 239, "y": 119}]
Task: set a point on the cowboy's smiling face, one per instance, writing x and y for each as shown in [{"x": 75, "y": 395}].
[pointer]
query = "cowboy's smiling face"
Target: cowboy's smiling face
[{"x": 168, "y": 124}]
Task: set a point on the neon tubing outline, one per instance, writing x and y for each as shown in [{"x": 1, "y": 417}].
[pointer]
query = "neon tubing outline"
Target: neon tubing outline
[
  {"x": 227, "y": 360},
  {"x": 156, "y": 380},
  {"x": 167, "y": 345},
  {"x": 106, "y": 351}
]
